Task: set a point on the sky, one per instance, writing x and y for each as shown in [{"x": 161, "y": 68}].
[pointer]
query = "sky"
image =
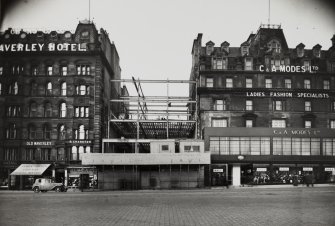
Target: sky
[{"x": 154, "y": 37}]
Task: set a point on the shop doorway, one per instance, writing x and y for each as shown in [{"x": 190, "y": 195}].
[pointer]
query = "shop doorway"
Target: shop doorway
[
  {"x": 220, "y": 175},
  {"x": 247, "y": 174}
]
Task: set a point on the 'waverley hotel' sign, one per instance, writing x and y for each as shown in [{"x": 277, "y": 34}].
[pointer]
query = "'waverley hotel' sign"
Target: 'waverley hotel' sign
[{"x": 38, "y": 47}]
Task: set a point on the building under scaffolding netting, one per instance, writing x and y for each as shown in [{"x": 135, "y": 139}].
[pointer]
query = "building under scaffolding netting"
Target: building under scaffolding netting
[{"x": 155, "y": 145}]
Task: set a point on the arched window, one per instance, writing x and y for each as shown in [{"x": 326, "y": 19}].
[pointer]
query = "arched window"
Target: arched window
[
  {"x": 74, "y": 153},
  {"x": 81, "y": 132},
  {"x": 48, "y": 89},
  {"x": 33, "y": 89},
  {"x": 61, "y": 132},
  {"x": 32, "y": 132},
  {"x": 46, "y": 131},
  {"x": 16, "y": 88},
  {"x": 13, "y": 89},
  {"x": 275, "y": 46},
  {"x": 11, "y": 132},
  {"x": 33, "y": 109},
  {"x": 62, "y": 110},
  {"x": 63, "y": 89},
  {"x": 47, "y": 110}
]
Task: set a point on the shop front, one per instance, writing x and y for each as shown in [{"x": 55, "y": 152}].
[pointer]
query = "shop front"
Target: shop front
[{"x": 81, "y": 177}]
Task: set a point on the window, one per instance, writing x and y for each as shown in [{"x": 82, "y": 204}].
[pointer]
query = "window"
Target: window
[
  {"x": 275, "y": 46},
  {"x": 249, "y": 123},
  {"x": 47, "y": 110},
  {"x": 17, "y": 70},
  {"x": 64, "y": 70},
  {"x": 307, "y": 83},
  {"x": 13, "y": 111},
  {"x": 11, "y": 131},
  {"x": 81, "y": 133},
  {"x": 248, "y": 64},
  {"x": 220, "y": 105},
  {"x": 63, "y": 89},
  {"x": 47, "y": 132},
  {"x": 49, "y": 70},
  {"x": 248, "y": 105},
  {"x": 218, "y": 64},
  {"x": 288, "y": 83},
  {"x": 333, "y": 106},
  {"x": 332, "y": 124},
  {"x": 244, "y": 50},
  {"x": 248, "y": 82},
  {"x": 193, "y": 148},
  {"x": 229, "y": 83},
  {"x": 1, "y": 70},
  {"x": 278, "y": 105},
  {"x": 61, "y": 132},
  {"x": 10, "y": 154},
  {"x": 62, "y": 110},
  {"x": 83, "y": 70},
  {"x": 165, "y": 147},
  {"x": 48, "y": 89},
  {"x": 219, "y": 123},
  {"x": 278, "y": 123},
  {"x": 60, "y": 154},
  {"x": 33, "y": 109},
  {"x": 307, "y": 65},
  {"x": 326, "y": 84},
  {"x": 76, "y": 152},
  {"x": 13, "y": 89},
  {"x": 209, "y": 49},
  {"x": 308, "y": 106},
  {"x": 308, "y": 124},
  {"x": 300, "y": 52},
  {"x": 32, "y": 132},
  {"x": 0, "y": 88},
  {"x": 46, "y": 154},
  {"x": 29, "y": 154},
  {"x": 34, "y": 70},
  {"x": 82, "y": 90},
  {"x": 33, "y": 90},
  {"x": 81, "y": 112},
  {"x": 209, "y": 82},
  {"x": 268, "y": 83}
]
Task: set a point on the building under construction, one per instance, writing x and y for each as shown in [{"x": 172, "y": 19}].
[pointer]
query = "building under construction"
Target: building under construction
[{"x": 155, "y": 146}]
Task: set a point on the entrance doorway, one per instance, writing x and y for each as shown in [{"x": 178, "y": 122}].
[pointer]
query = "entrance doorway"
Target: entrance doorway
[{"x": 220, "y": 175}]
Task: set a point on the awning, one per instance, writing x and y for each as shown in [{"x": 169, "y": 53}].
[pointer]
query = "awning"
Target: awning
[{"x": 30, "y": 169}]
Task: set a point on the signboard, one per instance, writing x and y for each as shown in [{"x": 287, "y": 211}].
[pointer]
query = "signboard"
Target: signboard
[
  {"x": 288, "y": 68},
  {"x": 330, "y": 169},
  {"x": 30, "y": 169},
  {"x": 296, "y": 132},
  {"x": 307, "y": 169},
  {"x": 80, "y": 142},
  {"x": 261, "y": 169},
  {"x": 145, "y": 159},
  {"x": 39, "y": 143},
  {"x": 38, "y": 47},
  {"x": 288, "y": 95},
  {"x": 218, "y": 170},
  {"x": 284, "y": 169}
]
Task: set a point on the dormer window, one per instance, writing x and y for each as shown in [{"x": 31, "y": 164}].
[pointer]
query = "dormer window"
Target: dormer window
[
  {"x": 275, "y": 46},
  {"x": 67, "y": 35},
  {"x": 23, "y": 35},
  {"x": 225, "y": 46},
  {"x": 300, "y": 50},
  {"x": 244, "y": 50},
  {"x": 85, "y": 34},
  {"x": 209, "y": 48},
  {"x": 317, "y": 51}
]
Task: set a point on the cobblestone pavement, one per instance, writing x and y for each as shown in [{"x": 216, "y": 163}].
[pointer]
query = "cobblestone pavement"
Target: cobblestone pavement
[{"x": 277, "y": 206}]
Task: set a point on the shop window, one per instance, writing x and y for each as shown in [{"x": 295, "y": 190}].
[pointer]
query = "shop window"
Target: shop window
[
  {"x": 229, "y": 83},
  {"x": 268, "y": 83},
  {"x": 278, "y": 123},
  {"x": 307, "y": 84},
  {"x": 249, "y": 123},
  {"x": 220, "y": 105},
  {"x": 49, "y": 70},
  {"x": 248, "y": 83},
  {"x": 308, "y": 106},
  {"x": 83, "y": 70},
  {"x": 63, "y": 89},
  {"x": 219, "y": 122},
  {"x": 249, "y": 105},
  {"x": 288, "y": 83},
  {"x": 32, "y": 132},
  {"x": 11, "y": 132},
  {"x": 165, "y": 147},
  {"x": 209, "y": 82},
  {"x": 47, "y": 110},
  {"x": 48, "y": 89},
  {"x": 64, "y": 70},
  {"x": 47, "y": 132},
  {"x": 326, "y": 84},
  {"x": 308, "y": 124},
  {"x": 33, "y": 109},
  {"x": 62, "y": 110},
  {"x": 61, "y": 132}
]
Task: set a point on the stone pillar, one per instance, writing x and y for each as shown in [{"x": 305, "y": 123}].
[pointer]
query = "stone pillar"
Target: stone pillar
[
  {"x": 65, "y": 177},
  {"x": 236, "y": 175}
]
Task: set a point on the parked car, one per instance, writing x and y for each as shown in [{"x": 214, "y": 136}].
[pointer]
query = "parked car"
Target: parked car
[{"x": 46, "y": 184}]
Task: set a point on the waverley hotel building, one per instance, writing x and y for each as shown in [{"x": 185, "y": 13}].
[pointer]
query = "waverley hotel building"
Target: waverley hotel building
[
  {"x": 54, "y": 97},
  {"x": 266, "y": 110}
]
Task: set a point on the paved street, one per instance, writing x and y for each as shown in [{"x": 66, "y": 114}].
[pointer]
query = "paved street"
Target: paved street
[{"x": 242, "y": 206}]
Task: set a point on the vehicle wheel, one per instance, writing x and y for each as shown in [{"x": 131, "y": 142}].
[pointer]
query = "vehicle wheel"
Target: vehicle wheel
[
  {"x": 36, "y": 189},
  {"x": 57, "y": 189}
]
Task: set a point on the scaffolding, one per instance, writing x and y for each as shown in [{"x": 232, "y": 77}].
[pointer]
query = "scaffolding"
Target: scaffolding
[{"x": 155, "y": 117}]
